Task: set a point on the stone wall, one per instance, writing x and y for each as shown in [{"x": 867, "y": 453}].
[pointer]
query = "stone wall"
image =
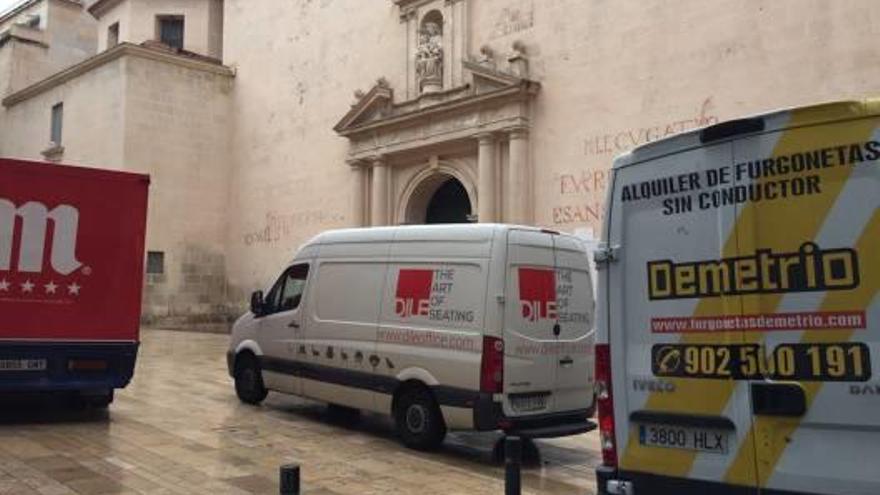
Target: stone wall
[
  {"x": 65, "y": 36},
  {"x": 177, "y": 129},
  {"x": 203, "y": 23},
  {"x": 155, "y": 113}
]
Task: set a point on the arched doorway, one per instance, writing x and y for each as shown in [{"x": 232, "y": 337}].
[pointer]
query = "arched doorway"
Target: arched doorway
[
  {"x": 449, "y": 204},
  {"x": 438, "y": 198}
]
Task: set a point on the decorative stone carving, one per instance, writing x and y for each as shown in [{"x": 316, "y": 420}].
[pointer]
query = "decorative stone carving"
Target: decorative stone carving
[
  {"x": 429, "y": 58},
  {"x": 519, "y": 62},
  {"x": 487, "y": 56}
]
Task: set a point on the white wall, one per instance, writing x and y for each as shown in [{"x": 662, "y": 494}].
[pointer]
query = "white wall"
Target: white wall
[
  {"x": 613, "y": 75},
  {"x": 137, "y": 23},
  {"x": 167, "y": 120}
]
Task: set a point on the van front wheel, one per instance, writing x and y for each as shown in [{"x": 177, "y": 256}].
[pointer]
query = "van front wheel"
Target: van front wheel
[
  {"x": 249, "y": 380},
  {"x": 418, "y": 420}
]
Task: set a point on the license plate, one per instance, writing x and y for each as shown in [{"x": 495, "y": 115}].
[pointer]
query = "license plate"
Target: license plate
[
  {"x": 529, "y": 403},
  {"x": 22, "y": 364},
  {"x": 686, "y": 438}
]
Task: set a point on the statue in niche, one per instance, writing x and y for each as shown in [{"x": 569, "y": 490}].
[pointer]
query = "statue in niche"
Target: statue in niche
[{"x": 429, "y": 58}]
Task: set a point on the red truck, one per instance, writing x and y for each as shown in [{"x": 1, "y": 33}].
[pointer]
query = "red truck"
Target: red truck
[{"x": 71, "y": 274}]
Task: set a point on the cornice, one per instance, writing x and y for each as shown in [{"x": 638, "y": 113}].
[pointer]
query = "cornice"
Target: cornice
[
  {"x": 101, "y": 7},
  {"x": 522, "y": 91},
  {"x": 119, "y": 51},
  {"x": 18, "y": 9}
]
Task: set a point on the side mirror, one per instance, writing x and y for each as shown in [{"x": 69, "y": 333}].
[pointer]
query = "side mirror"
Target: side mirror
[{"x": 257, "y": 303}]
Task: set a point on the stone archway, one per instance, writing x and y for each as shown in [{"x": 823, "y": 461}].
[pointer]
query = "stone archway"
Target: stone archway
[{"x": 438, "y": 197}]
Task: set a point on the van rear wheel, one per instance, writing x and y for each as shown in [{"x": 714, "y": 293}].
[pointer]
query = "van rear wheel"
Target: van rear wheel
[
  {"x": 249, "y": 380},
  {"x": 418, "y": 419}
]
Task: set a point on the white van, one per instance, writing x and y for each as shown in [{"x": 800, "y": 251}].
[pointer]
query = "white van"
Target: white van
[
  {"x": 739, "y": 323},
  {"x": 476, "y": 327}
]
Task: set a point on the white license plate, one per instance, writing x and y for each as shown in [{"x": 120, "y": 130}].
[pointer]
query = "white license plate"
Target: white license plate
[
  {"x": 529, "y": 403},
  {"x": 679, "y": 437},
  {"x": 22, "y": 364}
]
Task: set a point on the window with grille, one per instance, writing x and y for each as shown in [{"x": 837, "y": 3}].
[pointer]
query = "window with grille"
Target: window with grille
[{"x": 170, "y": 30}]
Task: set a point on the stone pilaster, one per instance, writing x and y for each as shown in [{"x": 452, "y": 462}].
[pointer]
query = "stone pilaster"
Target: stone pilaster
[
  {"x": 486, "y": 181},
  {"x": 379, "y": 200},
  {"x": 358, "y": 194},
  {"x": 517, "y": 188}
]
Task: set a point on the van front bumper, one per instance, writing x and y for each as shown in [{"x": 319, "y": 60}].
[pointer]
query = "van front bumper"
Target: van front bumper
[
  {"x": 488, "y": 415},
  {"x": 611, "y": 481}
]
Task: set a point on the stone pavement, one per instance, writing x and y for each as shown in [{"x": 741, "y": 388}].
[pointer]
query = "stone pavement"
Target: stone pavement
[{"x": 179, "y": 429}]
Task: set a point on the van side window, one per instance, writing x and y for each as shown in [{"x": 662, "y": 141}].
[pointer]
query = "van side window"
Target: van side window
[{"x": 287, "y": 292}]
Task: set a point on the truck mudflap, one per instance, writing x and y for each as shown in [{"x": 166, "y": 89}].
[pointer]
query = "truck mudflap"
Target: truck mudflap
[
  {"x": 611, "y": 481},
  {"x": 59, "y": 366},
  {"x": 488, "y": 415}
]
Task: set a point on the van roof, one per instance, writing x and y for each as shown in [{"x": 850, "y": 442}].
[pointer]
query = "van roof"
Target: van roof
[
  {"x": 756, "y": 124},
  {"x": 447, "y": 232}
]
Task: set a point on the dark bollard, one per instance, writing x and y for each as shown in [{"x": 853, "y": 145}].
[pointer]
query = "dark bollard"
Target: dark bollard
[
  {"x": 512, "y": 464},
  {"x": 290, "y": 479}
]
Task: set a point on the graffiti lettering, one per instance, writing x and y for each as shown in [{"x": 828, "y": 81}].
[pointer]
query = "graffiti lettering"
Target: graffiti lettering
[
  {"x": 282, "y": 226},
  {"x": 624, "y": 140}
]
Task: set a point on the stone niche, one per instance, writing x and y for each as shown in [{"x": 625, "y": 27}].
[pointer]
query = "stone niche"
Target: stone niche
[{"x": 436, "y": 43}]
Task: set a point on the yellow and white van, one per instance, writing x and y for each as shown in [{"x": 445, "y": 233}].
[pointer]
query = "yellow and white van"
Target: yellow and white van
[
  {"x": 739, "y": 323},
  {"x": 479, "y": 327}
]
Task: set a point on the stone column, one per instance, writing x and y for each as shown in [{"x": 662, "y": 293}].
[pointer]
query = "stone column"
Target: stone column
[
  {"x": 517, "y": 189},
  {"x": 486, "y": 181},
  {"x": 358, "y": 206},
  {"x": 379, "y": 198}
]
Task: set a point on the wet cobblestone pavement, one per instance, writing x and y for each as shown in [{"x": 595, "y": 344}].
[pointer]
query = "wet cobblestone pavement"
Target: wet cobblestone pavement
[{"x": 179, "y": 429}]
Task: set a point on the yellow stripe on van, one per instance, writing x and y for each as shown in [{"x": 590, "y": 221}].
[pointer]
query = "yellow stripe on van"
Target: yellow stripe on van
[
  {"x": 772, "y": 433},
  {"x": 801, "y": 218}
]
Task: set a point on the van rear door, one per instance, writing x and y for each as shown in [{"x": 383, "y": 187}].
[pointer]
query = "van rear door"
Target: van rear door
[
  {"x": 817, "y": 405},
  {"x": 529, "y": 319},
  {"x": 575, "y": 309},
  {"x": 678, "y": 411}
]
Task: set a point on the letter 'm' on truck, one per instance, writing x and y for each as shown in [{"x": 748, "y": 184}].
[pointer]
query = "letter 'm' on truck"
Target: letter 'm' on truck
[{"x": 71, "y": 274}]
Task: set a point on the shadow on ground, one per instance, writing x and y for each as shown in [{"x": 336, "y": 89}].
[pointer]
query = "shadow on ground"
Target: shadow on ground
[
  {"x": 31, "y": 408},
  {"x": 484, "y": 448}
]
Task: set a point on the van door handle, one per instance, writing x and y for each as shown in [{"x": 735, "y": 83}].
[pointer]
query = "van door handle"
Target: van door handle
[
  {"x": 566, "y": 362},
  {"x": 778, "y": 399},
  {"x": 293, "y": 324},
  {"x": 557, "y": 329}
]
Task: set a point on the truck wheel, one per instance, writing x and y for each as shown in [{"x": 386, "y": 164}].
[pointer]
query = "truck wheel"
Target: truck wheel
[
  {"x": 82, "y": 400},
  {"x": 418, "y": 420},
  {"x": 249, "y": 381},
  {"x": 101, "y": 401}
]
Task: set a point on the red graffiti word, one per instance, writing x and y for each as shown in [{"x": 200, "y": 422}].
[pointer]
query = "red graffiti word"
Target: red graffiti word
[
  {"x": 585, "y": 213},
  {"x": 589, "y": 181},
  {"x": 618, "y": 142}
]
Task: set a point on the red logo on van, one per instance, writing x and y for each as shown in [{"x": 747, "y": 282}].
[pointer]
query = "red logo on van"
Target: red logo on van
[
  {"x": 537, "y": 294},
  {"x": 413, "y": 292}
]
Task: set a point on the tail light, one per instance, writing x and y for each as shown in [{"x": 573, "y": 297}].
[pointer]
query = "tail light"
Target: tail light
[
  {"x": 87, "y": 365},
  {"x": 492, "y": 365},
  {"x": 605, "y": 398}
]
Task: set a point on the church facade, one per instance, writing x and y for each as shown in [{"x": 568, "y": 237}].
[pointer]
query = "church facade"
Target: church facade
[{"x": 273, "y": 121}]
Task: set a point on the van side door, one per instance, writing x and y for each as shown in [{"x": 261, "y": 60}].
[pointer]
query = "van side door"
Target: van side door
[
  {"x": 343, "y": 313},
  {"x": 282, "y": 328}
]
